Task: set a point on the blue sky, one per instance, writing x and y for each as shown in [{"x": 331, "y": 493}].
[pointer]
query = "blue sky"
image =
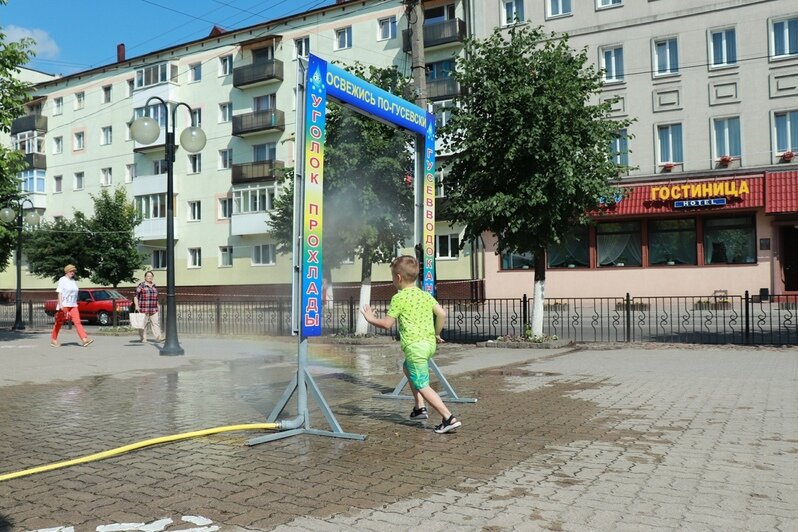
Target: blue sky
[{"x": 75, "y": 35}]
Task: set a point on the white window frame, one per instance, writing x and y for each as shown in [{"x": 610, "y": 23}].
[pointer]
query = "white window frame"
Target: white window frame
[
  {"x": 194, "y": 72},
  {"x": 158, "y": 259},
  {"x": 226, "y": 65},
  {"x": 244, "y": 196},
  {"x": 671, "y": 144},
  {"x": 151, "y": 206},
  {"x": 560, "y": 10},
  {"x": 194, "y": 258},
  {"x": 130, "y": 173},
  {"x": 194, "y": 211},
  {"x": 724, "y": 33},
  {"x": 604, "y": 4},
  {"x": 224, "y": 208},
  {"x": 194, "y": 163},
  {"x": 724, "y": 120},
  {"x": 454, "y": 251},
  {"x": 611, "y": 74},
  {"x": 257, "y": 258},
  {"x": 302, "y": 47},
  {"x": 106, "y": 135},
  {"x": 517, "y": 7},
  {"x": 58, "y": 105},
  {"x": 225, "y": 256},
  {"x": 343, "y": 38},
  {"x": 58, "y": 184},
  {"x": 78, "y": 140},
  {"x": 196, "y": 117},
  {"x": 151, "y": 75},
  {"x": 106, "y": 93},
  {"x": 106, "y": 177},
  {"x": 79, "y": 180},
  {"x": 788, "y": 113},
  {"x": 225, "y": 112},
  {"x": 670, "y": 70},
  {"x": 386, "y": 28},
  {"x": 786, "y": 21},
  {"x": 225, "y": 159},
  {"x": 58, "y": 144},
  {"x": 80, "y": 100}
]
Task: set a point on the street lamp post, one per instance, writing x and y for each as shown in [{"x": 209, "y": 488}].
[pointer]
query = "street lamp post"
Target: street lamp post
[
  {"x": 146, "y": 131},
  {"x": 8, "y": 215}
]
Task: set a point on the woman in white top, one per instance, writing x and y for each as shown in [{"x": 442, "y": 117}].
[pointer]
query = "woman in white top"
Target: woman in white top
[{"x": 68, "y": 306}]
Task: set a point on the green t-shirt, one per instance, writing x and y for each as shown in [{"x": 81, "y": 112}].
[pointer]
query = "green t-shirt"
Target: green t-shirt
[{"x": 412, "y": 307}]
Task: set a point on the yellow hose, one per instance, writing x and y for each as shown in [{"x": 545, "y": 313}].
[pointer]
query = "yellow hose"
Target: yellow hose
[{"x": 139, "y": 445}]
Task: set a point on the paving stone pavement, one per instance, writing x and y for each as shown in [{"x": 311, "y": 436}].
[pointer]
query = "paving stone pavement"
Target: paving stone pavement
[{"x": 596, "y": 438}]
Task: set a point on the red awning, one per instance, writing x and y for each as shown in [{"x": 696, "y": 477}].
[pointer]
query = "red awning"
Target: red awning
[
  {"x": 781, "y": 192},
  {"x": 648, "y": 198}
]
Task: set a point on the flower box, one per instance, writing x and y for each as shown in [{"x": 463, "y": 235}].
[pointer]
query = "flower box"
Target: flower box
[
  {"x": 725, "y": 160},
  {"x": 787, "y": 156},
  {"x": 667, "y": 167}
]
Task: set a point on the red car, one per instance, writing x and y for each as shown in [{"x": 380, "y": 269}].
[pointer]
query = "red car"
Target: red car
[{"x": 97, "y": 305}]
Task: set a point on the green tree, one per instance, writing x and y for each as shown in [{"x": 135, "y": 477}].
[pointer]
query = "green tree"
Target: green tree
[
  {"x": 114, "y": 253},
  {"x": 53, "y": 245},
  {"x": 13, "y": 95},
  {"x": 530, "y": 144},
  {"x": 368, "y": 207}
]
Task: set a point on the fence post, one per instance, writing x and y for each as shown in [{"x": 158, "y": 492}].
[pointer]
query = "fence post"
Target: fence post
[
  {"x": 524, "y": 314},
  {"x": 747, "y": 315},
  {"x": 30, "y": 313},
  {"x": 628, "y": 311},
  {"x": 114, "y": 317},
  {"x": 351, "y": 315},
  {"x": 218, "y": 317}
]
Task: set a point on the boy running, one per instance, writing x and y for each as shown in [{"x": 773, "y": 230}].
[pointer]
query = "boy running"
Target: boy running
[{"x": 414, "y": 309}]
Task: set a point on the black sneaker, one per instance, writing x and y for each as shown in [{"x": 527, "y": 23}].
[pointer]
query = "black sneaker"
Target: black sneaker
[
  {"x": 419, "y": 413},
  {"x": 447, "y": 425}
]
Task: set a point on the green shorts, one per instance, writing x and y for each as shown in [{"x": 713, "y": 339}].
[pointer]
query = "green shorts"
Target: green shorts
[{"x": 417, "y": 357}]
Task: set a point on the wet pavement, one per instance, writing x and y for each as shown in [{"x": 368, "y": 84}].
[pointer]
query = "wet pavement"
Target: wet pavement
[{"x": 569, "y": 439}]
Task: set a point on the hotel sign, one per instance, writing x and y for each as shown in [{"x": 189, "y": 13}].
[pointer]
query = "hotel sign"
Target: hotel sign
[
  {"x": 700, "y": 191},
  {"x": 710, "y": 202}
]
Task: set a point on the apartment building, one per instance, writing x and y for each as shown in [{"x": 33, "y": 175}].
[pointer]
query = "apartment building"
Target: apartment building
[
  {"x": 241, "y": 88},
  {"x": 711, "y": 203}
]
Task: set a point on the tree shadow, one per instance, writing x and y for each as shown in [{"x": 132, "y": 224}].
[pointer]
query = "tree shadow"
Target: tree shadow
[{"x": 6, "y": 523}]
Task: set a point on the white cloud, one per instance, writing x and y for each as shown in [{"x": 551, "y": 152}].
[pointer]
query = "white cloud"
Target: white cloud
[{"x": 45, "y": 47}]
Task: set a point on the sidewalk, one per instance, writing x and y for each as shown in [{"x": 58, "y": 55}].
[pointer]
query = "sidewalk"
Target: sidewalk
[{"x": 597, "y": 439}]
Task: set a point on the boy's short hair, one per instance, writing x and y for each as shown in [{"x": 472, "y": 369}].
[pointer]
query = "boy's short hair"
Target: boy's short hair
[{"x": 406, "y": 266}]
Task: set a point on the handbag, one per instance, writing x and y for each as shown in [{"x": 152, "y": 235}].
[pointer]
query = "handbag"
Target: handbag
[{"x": 138, "y": 320}]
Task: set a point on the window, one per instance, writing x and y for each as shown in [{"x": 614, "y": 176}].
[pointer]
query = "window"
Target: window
[
  {"x": 225, "y": 208},
  {"x": 786, "y": 131},
  {"x": 572, "y": 252},
  {"x": 263, "y": 255},
  {"x": 302, "y": 47},
  {"x": 194, "y": 163},
  {"x": 264, "y": 152},
  {"x": 723, "y": 47},
  {"x": 194, "y": 257},
  {"x": 442, "y": 109},
  {"x": 194, "y": 211},
  {"x": 32, "y": 181},
  {"x": 448, "y": 247},
  {"x": 619, "y": 148},
  {"x": 196, "y": 117},
  {"x": 387, "y": 28},
  {"x": 671, "y": 242},
  {"x": 130, "y": 173},
  {"x": 78, "y": 182},
  {"x": 107, "y": 94},
  {"x": 28, "y": 142},
  {"x": 785, "y": 38},
  {"x": 154, "y": 74},
  {"x": 106, "y": 178},
  {"x": 669, "y": 138},
  {"x": 80, "y": 100},
  {"x": 225, "y": 158},
  {"x": 266, "y": 102},
  {"x": 254, "y": 198},
  {"x": 513, "y": 12},
  {"x": 58, "y": 106},
  {"x": 158, "y": 259},
  {"x": 727, "y": 136},
  {"x": 559, "y": 7},
  {"x": 58, "y": 184},
  {"x": 343, "y": 38},
  {"x": 194, "y": 72},
  {"x": 151, "y": 206},
  {"x": 440, "y": 70},
  {"x": 612, "y": 63},
  {"x": 58, "y": 144},
  {"x": 159, "y": 167},
  {"x": 666, "y": 57},
  {"x": 729, "y": 240},
  {"x": 609, "y": 3},
  {"x": 435, "y": 15},
  {"x": 131, "y": 86},
  {"x": 518, "y": 261},
  {"x": 153, "y": 111},
  {"x": 225, "y": 65},
  {"x": 225, "y": 112},
  {"x": 225, "y": 256},
  {"x": 78, "y": 141},
  {"x": 106, "y": 136},
  {"x": 618, "y": 244}
]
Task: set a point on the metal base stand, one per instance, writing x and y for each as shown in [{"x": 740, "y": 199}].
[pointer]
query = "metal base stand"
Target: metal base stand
[
  {"x": 301, "y": 383},
  {"x": 447, "y": 393}
]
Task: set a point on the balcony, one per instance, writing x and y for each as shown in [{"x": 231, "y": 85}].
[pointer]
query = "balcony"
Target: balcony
[
  {"x": 29, "y": 123},
  {"x": 257, "y": 171},
  {"x": 250, "y": 223},
  {"x": 153, "y": 229},
  {"x": 258, "y": 122},
  {"x": 442, "y": 89},
  {"x": 258, "y": 74},
  {"x": 438, "y": 34},
  {"x": 35, "y": 161}
]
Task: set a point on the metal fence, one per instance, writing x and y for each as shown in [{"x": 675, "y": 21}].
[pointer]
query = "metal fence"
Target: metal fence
[{"x": 723, "y": 319}]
